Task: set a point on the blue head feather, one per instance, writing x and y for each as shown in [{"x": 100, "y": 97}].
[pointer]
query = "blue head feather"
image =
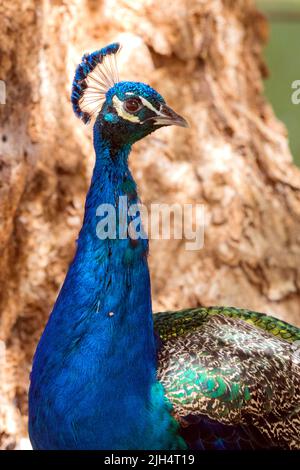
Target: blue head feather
[{"x": 121, "y": 89}]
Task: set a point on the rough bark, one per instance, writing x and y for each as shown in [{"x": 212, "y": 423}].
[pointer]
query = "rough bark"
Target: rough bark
[{"x": 205, "y": 57}]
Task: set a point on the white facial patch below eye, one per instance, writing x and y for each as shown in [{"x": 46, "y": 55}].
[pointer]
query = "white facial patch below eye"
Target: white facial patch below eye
[{"x": 118, "y": 104}]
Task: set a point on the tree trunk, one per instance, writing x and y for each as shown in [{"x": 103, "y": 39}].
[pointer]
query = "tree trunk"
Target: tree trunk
[{"x": 205, "y": 58}]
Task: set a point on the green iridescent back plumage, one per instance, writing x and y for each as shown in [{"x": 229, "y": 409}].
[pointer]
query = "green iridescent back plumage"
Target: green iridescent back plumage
[
  {"x": 173, "y": 324},
  {"x": 235, "y": 368}
]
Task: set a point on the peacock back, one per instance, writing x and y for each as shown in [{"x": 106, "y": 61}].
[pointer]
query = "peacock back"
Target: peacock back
[{"x": 232, "y": 376}]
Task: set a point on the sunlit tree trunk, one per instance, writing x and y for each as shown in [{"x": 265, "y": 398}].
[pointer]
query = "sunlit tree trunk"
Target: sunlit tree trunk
[{"x": 205, "y": 58}]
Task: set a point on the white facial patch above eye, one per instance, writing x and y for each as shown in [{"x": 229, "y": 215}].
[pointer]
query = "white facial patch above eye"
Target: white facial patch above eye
[
  {"x": 150, "y": 106},
  {"x": 118, "y": 104}
]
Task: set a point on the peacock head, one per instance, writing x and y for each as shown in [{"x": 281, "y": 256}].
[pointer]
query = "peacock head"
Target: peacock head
[{"x": 124, "y": 111}]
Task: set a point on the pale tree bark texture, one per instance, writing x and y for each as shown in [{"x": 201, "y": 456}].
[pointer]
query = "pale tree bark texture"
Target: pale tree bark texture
[{"x": 205, "y": 58}]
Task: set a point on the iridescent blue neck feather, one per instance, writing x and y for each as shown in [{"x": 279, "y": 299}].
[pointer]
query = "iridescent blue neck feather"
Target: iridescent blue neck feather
[{"x": 93, "y": 383}]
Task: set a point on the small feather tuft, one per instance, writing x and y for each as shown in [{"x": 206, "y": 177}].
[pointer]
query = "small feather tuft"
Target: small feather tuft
[{"x": 94, "y": 76}]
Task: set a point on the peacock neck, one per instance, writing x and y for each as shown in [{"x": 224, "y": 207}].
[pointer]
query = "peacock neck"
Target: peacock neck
[
  {"x": 96, "y": 360},
  {"x": 105, "y": 301},
  {"x": 113, "y": 267}
]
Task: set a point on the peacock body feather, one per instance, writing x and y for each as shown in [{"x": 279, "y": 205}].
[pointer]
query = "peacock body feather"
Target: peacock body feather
[
  {"x": 231, "y": 367},
  {"x": 101, "y": 377}
]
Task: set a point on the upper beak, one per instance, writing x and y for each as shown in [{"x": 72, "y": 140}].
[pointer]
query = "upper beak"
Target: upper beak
[{"x": 168, "y": 117}]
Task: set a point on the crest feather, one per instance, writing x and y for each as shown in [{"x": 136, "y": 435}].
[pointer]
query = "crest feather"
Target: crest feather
[{"x": 94, "y": 76}]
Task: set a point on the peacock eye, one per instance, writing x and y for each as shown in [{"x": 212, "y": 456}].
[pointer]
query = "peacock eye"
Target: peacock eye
[{"x": 132, "y": 105}]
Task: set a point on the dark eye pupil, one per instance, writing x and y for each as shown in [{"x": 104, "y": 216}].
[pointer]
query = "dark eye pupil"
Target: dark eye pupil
[{"x": 132, "y": 105}]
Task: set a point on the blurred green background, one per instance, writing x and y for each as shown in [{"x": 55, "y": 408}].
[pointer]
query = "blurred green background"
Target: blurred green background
[{"x": 283, "y": 58}]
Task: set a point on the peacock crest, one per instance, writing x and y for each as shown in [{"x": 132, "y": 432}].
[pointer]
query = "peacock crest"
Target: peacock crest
[{"x": 94, "y": 76}]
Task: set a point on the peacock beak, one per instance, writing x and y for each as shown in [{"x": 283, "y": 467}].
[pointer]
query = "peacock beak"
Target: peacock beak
[{"x": 168, "y": 117}]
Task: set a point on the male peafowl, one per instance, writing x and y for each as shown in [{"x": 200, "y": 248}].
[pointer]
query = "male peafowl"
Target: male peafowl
[{"x": 106, "y": 373}]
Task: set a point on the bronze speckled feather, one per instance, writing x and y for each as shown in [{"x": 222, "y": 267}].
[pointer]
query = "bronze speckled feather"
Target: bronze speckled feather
[{"x": 233, "y": 377}]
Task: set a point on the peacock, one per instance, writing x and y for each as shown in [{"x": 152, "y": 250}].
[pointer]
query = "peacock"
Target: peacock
[{"x": 107, "y": 373}]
